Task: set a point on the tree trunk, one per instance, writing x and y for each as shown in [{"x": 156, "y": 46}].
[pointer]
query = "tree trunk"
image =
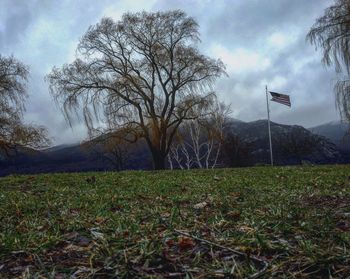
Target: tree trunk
[{"x": 158, "y": 160}]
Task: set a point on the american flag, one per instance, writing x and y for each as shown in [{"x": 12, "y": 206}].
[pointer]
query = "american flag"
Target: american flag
[{"x": 280, "y": 98}]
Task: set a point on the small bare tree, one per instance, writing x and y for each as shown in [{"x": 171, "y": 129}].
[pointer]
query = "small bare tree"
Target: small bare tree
[
  {"x": 236, "y": 151},
  {"x": 198, "y": 142},
  {"x": 112, "y": 148},
  {"x": 143, "y": 72},
  {"x": 116, "y": 152},
  {"x": 13, "y": 132},
  {"x": 299, "y": 143}
]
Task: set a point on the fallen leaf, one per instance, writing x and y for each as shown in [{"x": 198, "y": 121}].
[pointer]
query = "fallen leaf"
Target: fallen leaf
[
  {"x": 73, "y": 248},
  {"x": 165, "y": 214},
  {"x": 71, "y": 235},
  {"x": 185, "y": 243},
  {"x": 246, "y": 229},
  {"x": 235, "y": 215},
  {"x": 100, "y": 220},
  {"x": 200, "y": 205},
  {"x": 170, "y": 242},
  {"x": 96, "y": 234},
  {"x": 344, "y": 226},
  {"x": 82, "y": 241}
]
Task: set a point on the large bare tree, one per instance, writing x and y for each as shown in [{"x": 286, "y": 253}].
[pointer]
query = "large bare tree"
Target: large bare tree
[
  {"x": 13, "y": 132},
  {"x": 331, "y": 32},
  {"x": 143, "y": 73}
]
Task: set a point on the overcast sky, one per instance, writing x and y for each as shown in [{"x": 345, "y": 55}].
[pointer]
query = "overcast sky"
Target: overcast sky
[{"x": 260, "y": 41}]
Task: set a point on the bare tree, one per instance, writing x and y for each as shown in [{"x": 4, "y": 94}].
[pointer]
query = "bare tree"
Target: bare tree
[
  {"x": 298, "y": 143},
  {"x": 236, "y": 151},
  {"x": 112, "y": 148},
  {"x": 180, "y": 154},
  {"x": 143, "y": 73},
  {"x": 13, "y": 132},
  {"x": 331, "y": 32},
  {"x": 116, "y": 152},
  {"x": 198, "y": 142}
]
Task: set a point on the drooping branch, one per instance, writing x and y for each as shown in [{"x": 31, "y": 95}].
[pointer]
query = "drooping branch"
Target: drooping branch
[
  {"x": 13, "y": 132},
  {"x": 331, "y": 33}
]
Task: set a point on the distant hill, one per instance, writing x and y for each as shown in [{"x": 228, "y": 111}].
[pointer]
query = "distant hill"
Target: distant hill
[
  {"x": 338, "y": 133},
  {"x": 60, "y": 147},
  {"x": 71, "y": 158},
  {"x": 287, "y": 141},
  {"x": 291, "y": 145}
]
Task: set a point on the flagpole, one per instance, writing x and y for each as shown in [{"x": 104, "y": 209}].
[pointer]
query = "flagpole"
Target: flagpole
[{"x": 269, "y": 127}]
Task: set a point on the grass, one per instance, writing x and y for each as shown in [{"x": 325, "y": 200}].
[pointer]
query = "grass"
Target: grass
[{"x": 140, "y": 224}]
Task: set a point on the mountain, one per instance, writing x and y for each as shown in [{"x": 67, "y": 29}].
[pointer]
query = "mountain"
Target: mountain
[
  {"x": 292, "y": 144},
  {"x": 89, "y": 156},
  {"x": 338, "y": 133},
  {"x": 335, "y": 131},
  {"x": 59, "y": 147}
]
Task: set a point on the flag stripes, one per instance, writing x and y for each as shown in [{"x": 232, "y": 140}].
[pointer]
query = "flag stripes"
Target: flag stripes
[{"x": 280, "y": 98}]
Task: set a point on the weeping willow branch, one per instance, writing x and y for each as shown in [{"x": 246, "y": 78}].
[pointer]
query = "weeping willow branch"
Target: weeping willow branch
[
  {"x": 331, "y": 33},
  {"x": 13, "y": 132}
]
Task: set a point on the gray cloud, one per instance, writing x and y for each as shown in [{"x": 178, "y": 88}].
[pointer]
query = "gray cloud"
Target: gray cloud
[
  {"x": 292, "y": 67},
  {"x": 14, "y": 22},
  {"x": 260, "y": 41}
]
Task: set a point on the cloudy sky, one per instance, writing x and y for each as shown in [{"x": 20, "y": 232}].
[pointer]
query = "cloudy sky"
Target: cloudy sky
[{"x": 260, "y": 41}]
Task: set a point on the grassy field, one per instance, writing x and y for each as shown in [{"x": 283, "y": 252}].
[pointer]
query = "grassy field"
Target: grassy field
[{"x": 228, "y": 223}]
